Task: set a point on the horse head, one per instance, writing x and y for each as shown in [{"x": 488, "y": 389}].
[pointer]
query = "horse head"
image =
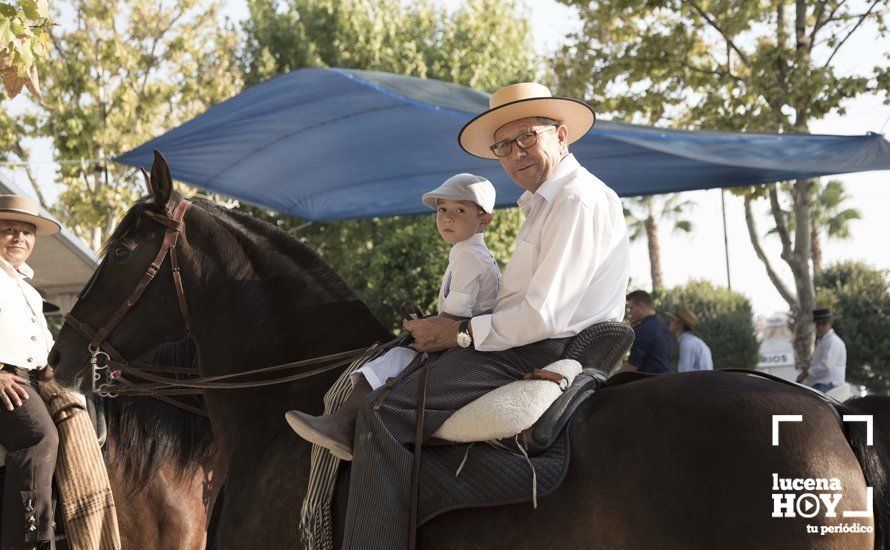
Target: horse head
[{"x": 109, "y": 316}]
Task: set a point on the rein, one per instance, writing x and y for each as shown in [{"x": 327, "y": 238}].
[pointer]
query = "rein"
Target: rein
[{"x": 107, "y": 374}]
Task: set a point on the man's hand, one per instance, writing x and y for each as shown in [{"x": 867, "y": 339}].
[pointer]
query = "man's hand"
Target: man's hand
[
  {"x": 433, "y": 333},
  {"x": 11, "y": 390}
]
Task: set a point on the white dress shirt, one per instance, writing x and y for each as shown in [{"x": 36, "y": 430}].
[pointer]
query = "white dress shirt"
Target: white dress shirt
[
  {"x": 694, "y": 353},
  {"x": 470, "y": 283},
  {"x": 25, "y": 340},
  {"x": 570, "y": 267},
  {"x": 829, "y": 364}
]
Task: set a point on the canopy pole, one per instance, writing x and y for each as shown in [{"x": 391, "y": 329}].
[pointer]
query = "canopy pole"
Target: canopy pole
[{"x": 725, "y": 239}]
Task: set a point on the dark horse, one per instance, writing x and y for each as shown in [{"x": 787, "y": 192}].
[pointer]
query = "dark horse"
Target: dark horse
[
  {"x": 162, "y": 465},
  {"x": 682, "y": 461}
]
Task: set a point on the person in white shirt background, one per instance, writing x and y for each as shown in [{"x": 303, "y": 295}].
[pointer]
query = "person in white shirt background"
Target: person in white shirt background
[
  {"x": 569, "y": 270},
  {"x": 27, "y": 432},
  {"x": 828, "y": 368},
  {"x": 464, "y": 206}
]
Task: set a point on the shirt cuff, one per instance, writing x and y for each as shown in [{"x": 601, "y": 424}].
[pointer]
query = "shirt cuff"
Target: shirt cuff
[
  {"x": 458, "y": 304},
  {"x": 481, "y": 325}
]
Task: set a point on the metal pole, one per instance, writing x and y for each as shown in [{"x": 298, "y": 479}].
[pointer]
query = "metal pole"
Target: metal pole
[{"x": 725, "y": 239}]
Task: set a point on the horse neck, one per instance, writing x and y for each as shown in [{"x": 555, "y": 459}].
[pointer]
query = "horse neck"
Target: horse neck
[{"x": 259, "y": 298}]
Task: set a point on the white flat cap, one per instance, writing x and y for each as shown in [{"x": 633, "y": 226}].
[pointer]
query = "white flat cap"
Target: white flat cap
[{"x": 464, "y": 187}]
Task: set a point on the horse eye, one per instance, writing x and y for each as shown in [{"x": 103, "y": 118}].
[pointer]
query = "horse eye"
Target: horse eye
[{"x": 120, "y": 253}]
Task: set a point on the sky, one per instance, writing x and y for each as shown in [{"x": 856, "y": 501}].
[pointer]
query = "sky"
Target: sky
[{"x": 701, "y": 254}]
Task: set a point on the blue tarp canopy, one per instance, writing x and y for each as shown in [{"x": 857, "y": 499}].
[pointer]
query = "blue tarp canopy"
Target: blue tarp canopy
[{"x": 331, "y": 144}]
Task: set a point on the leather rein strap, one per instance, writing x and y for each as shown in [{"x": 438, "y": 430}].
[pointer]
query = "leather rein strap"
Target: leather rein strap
[{"x": 160, "y": 387}]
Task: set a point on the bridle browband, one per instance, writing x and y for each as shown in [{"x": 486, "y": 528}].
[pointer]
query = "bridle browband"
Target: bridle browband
[{"x": 160, "y": 387}]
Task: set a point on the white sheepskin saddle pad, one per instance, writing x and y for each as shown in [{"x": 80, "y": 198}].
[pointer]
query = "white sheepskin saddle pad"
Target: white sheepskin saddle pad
[{"x": 508, "y": 410}]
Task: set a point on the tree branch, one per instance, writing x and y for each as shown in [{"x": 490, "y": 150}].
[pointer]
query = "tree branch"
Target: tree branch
[
  {"x": 781, "y": 227},
  {"x": 713, "y": 23},
  {"x": 817, "y": 26},
  {"x": 849, "y": 34},
  {"x": 758, "y": 249}
]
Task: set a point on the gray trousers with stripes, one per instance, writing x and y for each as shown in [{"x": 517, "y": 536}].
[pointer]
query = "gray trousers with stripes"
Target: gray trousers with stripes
[{"x": 377, "y": 516}]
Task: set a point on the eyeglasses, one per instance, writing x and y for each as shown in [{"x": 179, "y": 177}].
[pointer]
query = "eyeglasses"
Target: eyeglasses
[{"x": 524, "y": 141}]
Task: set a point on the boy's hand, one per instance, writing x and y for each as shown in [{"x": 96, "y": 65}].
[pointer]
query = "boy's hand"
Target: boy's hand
[
  {"x": 11, "y": 391},
  {"x": 433, "y": 333}
]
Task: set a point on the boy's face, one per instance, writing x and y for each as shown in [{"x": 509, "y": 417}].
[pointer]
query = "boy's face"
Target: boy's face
[{"x": 459, "y": 220}]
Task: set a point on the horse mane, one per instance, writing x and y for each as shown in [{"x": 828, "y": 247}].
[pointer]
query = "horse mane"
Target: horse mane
[{"x": 148, "y": 433}]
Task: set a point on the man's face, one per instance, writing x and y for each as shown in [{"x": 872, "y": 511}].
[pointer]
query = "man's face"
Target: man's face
[
  {"x": 459, "y": 220},
  {"x": 529, "y": 168},
  {"x": 637, "y": 311},
  {"x": 822, "y": 328},
  {"x": 16, "y": 241}
]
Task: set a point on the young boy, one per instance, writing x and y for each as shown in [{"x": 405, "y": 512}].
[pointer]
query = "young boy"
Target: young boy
[{"x": 463, "y": 205}]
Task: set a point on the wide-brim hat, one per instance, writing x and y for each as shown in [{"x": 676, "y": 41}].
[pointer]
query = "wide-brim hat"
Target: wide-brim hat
[
  {"x": 464, "y": 187},
  {"x": 686, "y": 317},
  {"x": 822, "y": 314},
  {"x": 519, "y": 101},
  {"x": 24, "y": 209}
]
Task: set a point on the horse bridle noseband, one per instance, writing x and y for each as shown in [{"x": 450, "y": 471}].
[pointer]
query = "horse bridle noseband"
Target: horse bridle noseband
[{"x": 160, "y": 387}]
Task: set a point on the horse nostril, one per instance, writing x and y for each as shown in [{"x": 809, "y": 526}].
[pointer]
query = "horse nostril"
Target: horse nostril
[{"x": 53, "y": 358}]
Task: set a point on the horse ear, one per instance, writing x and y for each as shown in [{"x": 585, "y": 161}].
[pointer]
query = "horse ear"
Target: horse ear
[
  {"x": 161, "y": 184},
  {"x": 147, "y": 179}
]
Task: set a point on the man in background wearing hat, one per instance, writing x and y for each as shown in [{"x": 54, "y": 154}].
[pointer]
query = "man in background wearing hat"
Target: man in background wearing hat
[
  {"x": 569, "y": 271},
  {"x": 694, "y": 353},
  {"x": 828, "y": 367},
  {"x": 26, "y": 430}
]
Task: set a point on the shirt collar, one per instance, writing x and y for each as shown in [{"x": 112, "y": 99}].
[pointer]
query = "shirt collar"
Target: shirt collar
[
  {"x": 23, "y": 272},
  {"x": 552, "y": 185},
  {"x": 476, "y": 240}
]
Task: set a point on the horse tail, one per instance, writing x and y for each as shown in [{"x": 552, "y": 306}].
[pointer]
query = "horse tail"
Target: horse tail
[{"x": 875, "y": 464}]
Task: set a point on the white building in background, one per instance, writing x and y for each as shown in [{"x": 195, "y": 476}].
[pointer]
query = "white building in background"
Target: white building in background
[
  {"x": 62, "y": 263},
  {"x": 776, "y": 346}
]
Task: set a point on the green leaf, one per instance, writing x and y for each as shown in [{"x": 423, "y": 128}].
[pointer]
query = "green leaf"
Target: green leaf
[
  {"x": 6, "y": 34},
  {"x": 35, "y": 9},
  {"x": 7, "y": 10}
]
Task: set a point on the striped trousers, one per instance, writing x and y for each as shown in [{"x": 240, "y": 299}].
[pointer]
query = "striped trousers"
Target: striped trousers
[{"x": 377, "y": 516}]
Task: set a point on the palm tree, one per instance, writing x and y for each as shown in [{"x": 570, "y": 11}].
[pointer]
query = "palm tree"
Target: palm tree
[
  {"x": 642, "y": 213},
  {"x": 829, "y": 213}
]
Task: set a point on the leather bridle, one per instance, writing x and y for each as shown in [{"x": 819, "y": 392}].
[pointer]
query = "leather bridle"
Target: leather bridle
[{"x": 115, "y": 365}]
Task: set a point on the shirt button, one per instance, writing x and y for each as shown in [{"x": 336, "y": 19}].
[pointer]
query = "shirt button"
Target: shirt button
[
  {"x": 30, "y": 359},
  {"x": 33, "y": 338},
  {"x": 33, "y": 320}
]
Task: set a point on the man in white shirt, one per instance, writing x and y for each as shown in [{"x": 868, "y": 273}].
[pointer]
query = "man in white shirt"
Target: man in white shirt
[
  {"x": 569, "y": 271},
  {"x": 27, "y": 432},
  {"x": 829, "y": 364}
]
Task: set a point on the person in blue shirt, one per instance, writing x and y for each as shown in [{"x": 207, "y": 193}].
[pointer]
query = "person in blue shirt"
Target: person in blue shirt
[
  {"x": 653, "y": 341},
  {"x": 694, "y": 353}
]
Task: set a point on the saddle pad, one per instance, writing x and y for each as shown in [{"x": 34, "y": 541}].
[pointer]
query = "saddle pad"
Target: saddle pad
[
  {"x": 488, "y": 477},
  {"x": 508, "y": 410}
]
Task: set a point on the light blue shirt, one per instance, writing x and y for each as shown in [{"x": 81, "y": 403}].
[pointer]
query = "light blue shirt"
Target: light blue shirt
[{"x": 694, "y": 353}]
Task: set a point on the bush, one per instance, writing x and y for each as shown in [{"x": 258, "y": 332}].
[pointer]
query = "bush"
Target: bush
[
  {"x": 725, "y": 321},
  {"x": 861, "y": 297}
]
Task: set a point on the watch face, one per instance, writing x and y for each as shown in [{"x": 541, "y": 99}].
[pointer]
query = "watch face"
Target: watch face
[{"x": 464, "y": 340}]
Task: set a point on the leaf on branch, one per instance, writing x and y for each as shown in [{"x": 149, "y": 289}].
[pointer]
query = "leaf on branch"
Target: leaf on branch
[
  {"x": 11, "y": 81},
  {"x": 35, "y": 9},
  {"x": 7, "y": 10}
]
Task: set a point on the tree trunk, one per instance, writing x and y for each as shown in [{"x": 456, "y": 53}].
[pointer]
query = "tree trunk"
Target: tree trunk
[
  {"x": 799, "y": 262},
  {"x": 816, "y": 248},
  {"x": 654, "y": 253}
]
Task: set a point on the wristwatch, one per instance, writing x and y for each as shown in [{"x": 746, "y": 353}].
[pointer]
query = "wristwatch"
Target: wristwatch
[{"x": 463, "y": 334}]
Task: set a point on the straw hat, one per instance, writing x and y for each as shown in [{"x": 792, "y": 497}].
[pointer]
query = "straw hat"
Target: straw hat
[
  {"x": 464, "y": 187},
  {"x": 518, "y": 101},
  {"x": 686, "y": 317},
  {"x": 24, "y": 209}
]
